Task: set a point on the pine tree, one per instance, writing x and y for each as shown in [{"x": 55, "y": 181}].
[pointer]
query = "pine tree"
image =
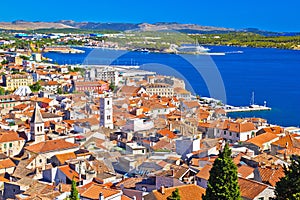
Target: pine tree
[
  {"x": 175, "y": 195},
  {"x": 223, "y": 179},
  {"x": 289, "y": 186},
  {"x": 74, "y": 191}
]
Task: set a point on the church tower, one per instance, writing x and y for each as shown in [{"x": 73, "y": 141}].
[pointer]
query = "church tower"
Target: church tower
[
  {"x": 106, "y": 112},
  {"x": 37, "y": 131}
]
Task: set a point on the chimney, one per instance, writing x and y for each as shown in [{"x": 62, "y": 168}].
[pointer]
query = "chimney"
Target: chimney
[
  {"x": 285, "y": 155},
  {"x": 273, "y": 165},
  {"x": 101, "y": 196},
  {"x": 162, "y": 189},
  {"x": 60, "y": 188},
  {"x": 170, "y": 126}
]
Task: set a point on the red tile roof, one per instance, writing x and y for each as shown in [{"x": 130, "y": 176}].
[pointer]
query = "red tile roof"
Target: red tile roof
[
  {"x": 245, "y": 171},
  {"x": 51, "y": 145},
  {"x": 94, "y": 191},
  {"x": 241, "y": 127},
  {"x": 62, "y": 158},
  {"x": 271, "y": 175},
  {"x": 167, "y": 133},
  {"x": 9, "y": 136},
  {"x": 262, "y": 139},
  {"x": 6, "y": 163},
  {"x": 204, "y": 172},
  {"x": 186, "y": 192},
  {"x": 250, "y": 189},
  {"x": 70, "y": 173}
]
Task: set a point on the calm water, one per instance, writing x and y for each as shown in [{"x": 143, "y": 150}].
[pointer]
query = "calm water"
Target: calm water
[{"x": 272, "y": 74}]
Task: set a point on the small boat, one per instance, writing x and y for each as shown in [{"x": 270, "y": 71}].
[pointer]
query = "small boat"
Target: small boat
[
  {"x": 192, "y": 48},
  {"x": 141, "y": 50}
]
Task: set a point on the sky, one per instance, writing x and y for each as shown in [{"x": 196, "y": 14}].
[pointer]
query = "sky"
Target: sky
[{"x": 272, "y": 15}]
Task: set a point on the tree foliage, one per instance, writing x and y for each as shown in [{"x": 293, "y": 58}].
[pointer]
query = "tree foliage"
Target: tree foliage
[
  {"x": 249, "y": 39},
  {"x": 2, "y": 91},
  {"x": 74, "y": 191},
  {"x": 112, "y": 86},
  {"x": 289, "y": 186},
  {"x": 35, "y": 87},
  {"x": 59, "y": 90},
  {"x": 223, "y": 180},
  {"x": 175, "y": 195}
]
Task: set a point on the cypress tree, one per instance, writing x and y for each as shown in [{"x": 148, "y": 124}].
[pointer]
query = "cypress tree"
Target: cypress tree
[
  {"x": 175, "y": 195},
  {"x": 74, "y": 191},
  {"x": 223, "y": 179},
  {"x": 289, "y": 186}
]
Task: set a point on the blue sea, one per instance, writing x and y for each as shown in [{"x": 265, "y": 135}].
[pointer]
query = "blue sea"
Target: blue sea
[{"x": 272, "y": 74}]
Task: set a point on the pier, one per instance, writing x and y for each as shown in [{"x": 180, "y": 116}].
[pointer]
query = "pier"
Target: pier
[{"x": 231, "y": 109}]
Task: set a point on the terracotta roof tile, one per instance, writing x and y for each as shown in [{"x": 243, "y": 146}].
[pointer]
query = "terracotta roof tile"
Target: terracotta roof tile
[
  {"x": 262, "y": 139},
  {"x": 62, "y": 158},
  {"x": 271, "y": 176},
  {"x": 204, "y": 172},
  {"x": 7, "y": 163},
  {"x": 241, "y": 127},
  {"x": 70, "y": 173},
  {"x": 51, "y": 145},
  {"x": 245, "y": 171},
  {"x": 9, "y": 136},
  {"x": 94, "y": 191},
  {"x": 250, "y": 189},
  {"x": 287, "y": 141},
  {"x": 186, "y": 192},
  {"x": 129, "y": 183},
  {"x": 167, "y": 133}
]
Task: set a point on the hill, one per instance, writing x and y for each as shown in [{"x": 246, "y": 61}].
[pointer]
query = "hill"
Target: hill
[{"x": 24, "y": 25}]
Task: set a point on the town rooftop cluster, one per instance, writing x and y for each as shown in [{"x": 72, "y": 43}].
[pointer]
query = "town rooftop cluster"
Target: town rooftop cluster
[{"x": 124, "y": 134}]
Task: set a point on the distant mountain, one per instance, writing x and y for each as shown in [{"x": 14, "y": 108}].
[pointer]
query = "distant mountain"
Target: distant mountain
[
  {"x": 180, "y": 27},
  {"x": 160, "y": 26},
  {"x": 24, "y": 25},
  {"x": 99, "y": 26},
  {"x": 269, "y": 33}
]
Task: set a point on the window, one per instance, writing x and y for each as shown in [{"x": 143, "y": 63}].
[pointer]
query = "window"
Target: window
[
  {"x": 10, "y": 145},
  {"x": 108, "y": 117},
  {"x": 41, "y": 160},
  {"x": 230, "y": 133},
  {"x": 237, "y": 135},
  {"x": 224, "y": 132},
  {"x": 108, "y": 102},
  {"x": 4, "y": 146}
]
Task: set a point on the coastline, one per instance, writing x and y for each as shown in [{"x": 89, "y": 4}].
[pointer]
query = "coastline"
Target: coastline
[
  {"x": 183, "y": 53},
  {"x": 238, "y": 91}
]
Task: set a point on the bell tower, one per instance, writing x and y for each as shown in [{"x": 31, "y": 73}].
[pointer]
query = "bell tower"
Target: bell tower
[
  {"x": 106, "y": 112},
  {"x": 37, "y": 132}
]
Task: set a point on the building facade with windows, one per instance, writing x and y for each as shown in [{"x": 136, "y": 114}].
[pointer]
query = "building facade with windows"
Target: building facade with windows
[
  {"x": 160, "y": 89},
  {"x": 14, "y": 81}
]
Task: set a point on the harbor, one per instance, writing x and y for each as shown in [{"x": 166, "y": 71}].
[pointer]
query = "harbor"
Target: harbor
[
  {"x": 251, "y": 108},
  {"x": 62, "y": 49}
]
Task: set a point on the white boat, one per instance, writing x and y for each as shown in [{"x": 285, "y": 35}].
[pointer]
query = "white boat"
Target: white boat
[{"x": 192, "y": 48}]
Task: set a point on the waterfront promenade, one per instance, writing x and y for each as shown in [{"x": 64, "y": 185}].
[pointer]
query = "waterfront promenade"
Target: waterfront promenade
[{"x": 231, "y": 109}]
